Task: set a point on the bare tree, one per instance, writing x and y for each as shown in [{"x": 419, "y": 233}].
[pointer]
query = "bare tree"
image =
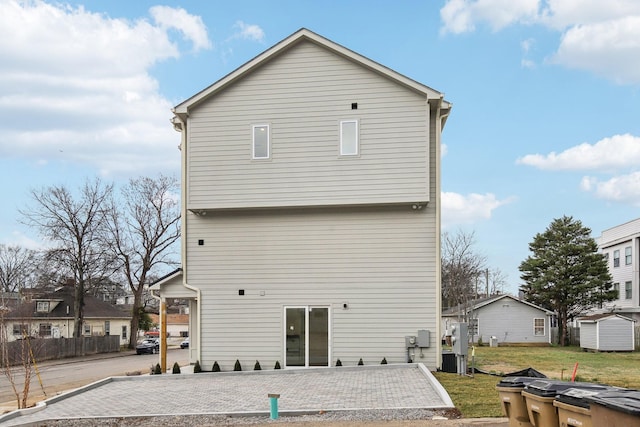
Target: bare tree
[
  {"x": 10, "y": 355},
  {"x": 74, "y": 227},
  {"x": 461, "y": 266},
  {"x": 143, "y": 230},
  {"x": 497, "y": 281},
  {"x": 18, "y": 266}
]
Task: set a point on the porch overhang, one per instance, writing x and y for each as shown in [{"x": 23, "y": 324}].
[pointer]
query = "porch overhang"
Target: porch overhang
[{"x": 171, "y": 286}]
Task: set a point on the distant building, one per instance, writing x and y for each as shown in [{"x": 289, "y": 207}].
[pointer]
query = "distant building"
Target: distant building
[
  {"x": 52, "y": 316},
  {"x": 621, "y": 247}
]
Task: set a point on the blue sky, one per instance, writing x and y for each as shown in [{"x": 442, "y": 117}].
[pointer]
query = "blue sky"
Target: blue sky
[{"x": 545, "y": 93}]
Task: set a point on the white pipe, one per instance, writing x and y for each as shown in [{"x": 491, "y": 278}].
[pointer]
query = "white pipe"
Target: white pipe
[{"x": 181, "y": 127}]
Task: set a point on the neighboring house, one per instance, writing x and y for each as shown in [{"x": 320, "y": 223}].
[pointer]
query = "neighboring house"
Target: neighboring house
[
  {"x": 177, "y": 324},
  {"x": 52, "y": 316},
  {"x": 311, "y": 211},
  {"x": 607, "y": 332},
  {"x": 509, "y": 319},
  {"x": 621, "y": 246}
]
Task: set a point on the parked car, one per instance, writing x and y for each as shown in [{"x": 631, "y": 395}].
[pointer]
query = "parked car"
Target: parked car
[
  {"x": 185, "y": 343},
  {"x": 149, "y": 345}
]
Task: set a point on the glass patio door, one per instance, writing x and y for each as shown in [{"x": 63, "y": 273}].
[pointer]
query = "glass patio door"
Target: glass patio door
[{"x": 307, "y": 336}]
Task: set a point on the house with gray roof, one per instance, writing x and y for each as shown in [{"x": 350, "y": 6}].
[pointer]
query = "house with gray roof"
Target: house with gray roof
[
  {"x": 52, "y": 315},
  {"x": 508, "y": 319}
]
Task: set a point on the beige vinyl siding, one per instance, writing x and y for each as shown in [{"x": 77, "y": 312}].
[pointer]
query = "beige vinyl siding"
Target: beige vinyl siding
[
  {"x": 303, "y": 95},
  {"x": 380, "y": 261}
]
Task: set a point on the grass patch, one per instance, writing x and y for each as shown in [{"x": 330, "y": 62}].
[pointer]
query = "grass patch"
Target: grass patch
[
  {"x": 478, "y": 397},
  {"x": 473, "y": 397}
]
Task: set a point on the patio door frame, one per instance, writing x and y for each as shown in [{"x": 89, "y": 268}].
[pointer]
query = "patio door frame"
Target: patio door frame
[{"x": 307, "y": 310}]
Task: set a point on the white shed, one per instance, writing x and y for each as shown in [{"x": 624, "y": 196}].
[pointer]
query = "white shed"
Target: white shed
[{"x": 607, "y": 332}]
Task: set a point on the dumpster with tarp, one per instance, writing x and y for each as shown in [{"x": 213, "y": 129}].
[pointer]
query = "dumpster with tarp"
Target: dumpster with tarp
[
  {"x": 573, "y": 407},
  {"x": 540, "y": 395},
  {"x": 615, "y": 408},
  {"x": 512, "y": 402}
]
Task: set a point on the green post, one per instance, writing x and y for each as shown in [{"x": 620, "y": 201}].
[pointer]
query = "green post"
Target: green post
[{"x": 274, "y": 405}]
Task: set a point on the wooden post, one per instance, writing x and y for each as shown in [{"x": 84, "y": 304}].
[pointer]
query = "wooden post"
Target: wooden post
[{"x": 163, "y": 335}]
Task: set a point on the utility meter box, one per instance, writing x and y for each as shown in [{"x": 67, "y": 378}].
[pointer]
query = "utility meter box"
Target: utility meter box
[
  {"x": 410, "y": 341},
  {"x": 460, "y": 338},
  {"x": 423, "y": 338}
]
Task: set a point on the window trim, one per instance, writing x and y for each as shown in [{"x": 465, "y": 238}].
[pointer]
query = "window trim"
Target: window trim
[
  {"x": 616, "y": 258},
  {"x": 627, "y": 255},
  {"x": 45, "y": 326},
  {"x": 628, "y": 290},
  {"x": 536, "y": 328},
  {"x": 357, "y": 138},
  {"x": 253, "y": 141},
  {"x": 42, "y": 306}
]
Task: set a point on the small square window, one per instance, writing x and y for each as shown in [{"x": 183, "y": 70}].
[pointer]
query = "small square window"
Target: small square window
[
  {"x": 261, "y": 141},
  {"x": 20, "y": 329},
  {"x": 42, "y": 306},
  {"x": 349, "y": 138},
  {"x": 44, "y": 330}
]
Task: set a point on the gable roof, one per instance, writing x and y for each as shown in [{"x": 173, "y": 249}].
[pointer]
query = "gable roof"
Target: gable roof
[
  {"x": 459, "y": 309},
  {"x": 182, "y": 109},
  {"x": 93, "y": 307},
  {"x": 594, "y": 318}
]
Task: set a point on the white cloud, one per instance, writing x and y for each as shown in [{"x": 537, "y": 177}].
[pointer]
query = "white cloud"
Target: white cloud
[
  {"x": 191, "y": 26},
  {"x": 75, "y": 86},
  {"x": 249, "y": 32},
  {"x": 561, "y": 14},
  {"x": 460, "y": 16},
  {"x": 618, "y": 151},
  {"x": 19, "y": 239},
  {"x": 460, "y": 209},
  {"x": 602, "y": 37},
  {"x": 443, "y": 150},
  {"x": 623, "y": 189},
  {"x": 610, "y": 49}
]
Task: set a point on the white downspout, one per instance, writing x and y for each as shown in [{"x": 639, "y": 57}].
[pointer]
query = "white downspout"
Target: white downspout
[
  {"x": 440, "y": 117},
  {"x": 182, "y": 128}
]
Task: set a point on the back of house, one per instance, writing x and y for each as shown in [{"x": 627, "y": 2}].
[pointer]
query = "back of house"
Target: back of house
[{"x": 311, "y": 211}]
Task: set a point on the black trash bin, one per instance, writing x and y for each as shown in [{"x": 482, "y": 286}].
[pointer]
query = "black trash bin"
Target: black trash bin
[
  {"x": 615, "y": 408},
  {"x": 513, "y": 404},
  {"x": 540, "y": 395}
]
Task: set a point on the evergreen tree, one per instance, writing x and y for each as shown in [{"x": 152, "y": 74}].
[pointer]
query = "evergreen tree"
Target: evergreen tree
[{"x": 565, "y": 272}]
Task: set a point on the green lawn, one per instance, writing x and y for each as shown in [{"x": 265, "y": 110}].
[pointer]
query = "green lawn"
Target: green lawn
[{"x": 477, "y": 397}]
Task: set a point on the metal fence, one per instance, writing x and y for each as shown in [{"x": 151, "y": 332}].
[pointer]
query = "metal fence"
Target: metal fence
[{"x": 40, "y": 349}]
